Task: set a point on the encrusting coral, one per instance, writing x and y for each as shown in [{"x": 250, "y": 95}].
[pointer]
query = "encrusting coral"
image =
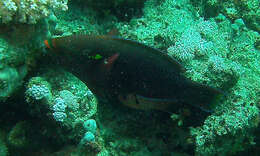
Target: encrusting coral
[{"x": 29, "y": 11}]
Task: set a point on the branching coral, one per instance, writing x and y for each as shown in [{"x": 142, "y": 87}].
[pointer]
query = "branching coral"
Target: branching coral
[{"x": 29, "y": 11}]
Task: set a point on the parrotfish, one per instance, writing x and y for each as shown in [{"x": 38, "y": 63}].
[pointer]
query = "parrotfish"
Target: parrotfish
[{"x": 131, "y": 73}]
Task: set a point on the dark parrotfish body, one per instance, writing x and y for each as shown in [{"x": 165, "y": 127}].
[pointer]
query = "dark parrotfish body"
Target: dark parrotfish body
[{"x": 136, "y": 75}]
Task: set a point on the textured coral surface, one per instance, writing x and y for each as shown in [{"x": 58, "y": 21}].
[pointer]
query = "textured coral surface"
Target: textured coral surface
[{"x": 29, "y": 11}]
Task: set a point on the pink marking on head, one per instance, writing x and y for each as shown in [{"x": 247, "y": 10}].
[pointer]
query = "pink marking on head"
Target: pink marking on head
[
  {"x": 108, "y": 63},
  {"x": 112, "y": 58}
]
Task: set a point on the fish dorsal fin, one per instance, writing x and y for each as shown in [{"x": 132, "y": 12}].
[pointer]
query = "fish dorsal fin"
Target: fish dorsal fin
[
  {"x": 81, "y": 39},
  {"x": 113, "y": 32}
]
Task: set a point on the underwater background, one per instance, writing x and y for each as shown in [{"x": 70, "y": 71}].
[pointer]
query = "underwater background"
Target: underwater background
[{"x": 45, "y": 110}]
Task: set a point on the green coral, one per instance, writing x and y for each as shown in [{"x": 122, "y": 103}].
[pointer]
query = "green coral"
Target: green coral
[
  {"x": 38, "y": 89},
  {"x": 62, "y": 82},
  {"x": 18, "y": 137},
  {"x": 3, "y": 146},
  {"x": 3, "y": 149},
  {"x": 12, "y": 71},
  {"x": 10, "y": 80},
  {"x": 233, "y": 66},
  {"x": 29, "y": 11},
  {"x": 85, "y": 22},
  {"x": 18, "y": 48},
  {"x": 122, "y": 9},
  {"x": 248, "y": 10},
  {"x": 161, "y": 23},
  {"x": 68, "y": 102},
  {"x": 203, "y": 50}
]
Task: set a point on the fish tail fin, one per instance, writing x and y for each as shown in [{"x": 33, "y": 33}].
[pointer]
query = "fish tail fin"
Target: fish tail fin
[
  {"x": 201, "y": 101},
  {"x": 203, "y": 97}
]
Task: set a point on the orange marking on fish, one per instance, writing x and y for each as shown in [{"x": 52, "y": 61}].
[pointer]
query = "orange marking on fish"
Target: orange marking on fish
[{"x": 47, "y": 44}]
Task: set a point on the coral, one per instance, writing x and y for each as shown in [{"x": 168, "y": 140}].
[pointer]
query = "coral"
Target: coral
[
  {"x": 88, "y": 137},
  {"x": 3, "y": 148},
  {"x": 38, "y": 92},
  {"x": 203, "y": 51},
  {"x": 59, "y": 105},
  {"x": 161, "y": 23},
  {"x": 230, "y": 129},
  {"x": 69, "y": 99},
  {"x": 233, "y": 9},
  {"x": 90, "y": 125},
  {"x": 65, "y": 92},
  {"x": 65, "y": 99},
  {"x": 190, "y": 44},
  {"x": 69, "y": 102},
  {"x": 18, "y": 48},
  {"x": 225, "y": 65},
  {"x": 10, "y": 80},
  {"x": 30, "y": 11},
  {"x": 38, "y": 89},
  {"x": 122, "y": 9},
  {"x": 18, "y": 136},
  {"x": 85, "y": 22},
  {"x": 59, "y": 116}
]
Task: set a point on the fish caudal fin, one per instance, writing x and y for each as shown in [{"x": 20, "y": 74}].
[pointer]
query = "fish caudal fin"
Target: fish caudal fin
[{"x": 202, "y": 97}]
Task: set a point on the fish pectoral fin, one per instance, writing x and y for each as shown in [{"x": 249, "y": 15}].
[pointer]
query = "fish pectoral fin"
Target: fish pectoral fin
[
  {"x": 129, "y": 100},
  {"x": 145, "y": 103},
  {"x": 155, "y": 103}
]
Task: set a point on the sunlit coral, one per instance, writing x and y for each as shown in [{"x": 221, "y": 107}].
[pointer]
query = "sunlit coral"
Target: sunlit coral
[{"x": 29, "y": 11}]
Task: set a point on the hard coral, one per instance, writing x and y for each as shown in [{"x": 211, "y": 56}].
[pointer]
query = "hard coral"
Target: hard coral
[
  {"x": 10, "y": 80},
  {"x": 18, "y": 136},
  {"x": 248, "y": 10},
  {"x": 29, "y": 11},
  {"x": 3, "y": 149}
]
